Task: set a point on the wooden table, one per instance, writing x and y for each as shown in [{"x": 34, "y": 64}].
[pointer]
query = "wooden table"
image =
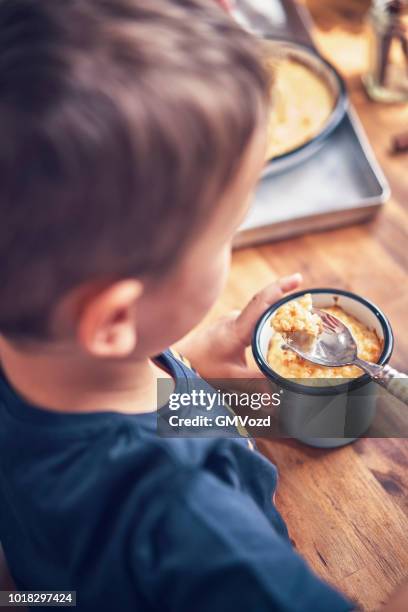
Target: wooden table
[{"x": 347, "y": 509}]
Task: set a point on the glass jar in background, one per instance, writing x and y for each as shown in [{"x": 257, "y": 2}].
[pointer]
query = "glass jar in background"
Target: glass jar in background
[{"x": 387, "y": 78}]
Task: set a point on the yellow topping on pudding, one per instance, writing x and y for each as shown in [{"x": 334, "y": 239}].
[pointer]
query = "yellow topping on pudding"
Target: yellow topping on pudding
[{"x": 301, "y": 105}]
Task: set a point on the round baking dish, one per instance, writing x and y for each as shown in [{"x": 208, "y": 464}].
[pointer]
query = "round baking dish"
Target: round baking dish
[
  {"x": 330, "y": 415},
  {"x": 282, "y": 49}
]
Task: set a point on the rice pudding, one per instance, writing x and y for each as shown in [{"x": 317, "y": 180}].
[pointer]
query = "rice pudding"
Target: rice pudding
[
  {"x": 297, "y": 317},
  {"x": 288, "y": 364}
]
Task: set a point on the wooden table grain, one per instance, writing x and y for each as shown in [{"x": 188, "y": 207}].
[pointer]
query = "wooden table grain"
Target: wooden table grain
[{"x": 347, "y": 509}]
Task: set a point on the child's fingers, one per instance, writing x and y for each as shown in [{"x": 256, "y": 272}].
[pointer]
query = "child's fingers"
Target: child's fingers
[
  {"x": 289, "y": 283},
  {"x": 225, "y": 4},
  {"x": 248, "y": 318}
]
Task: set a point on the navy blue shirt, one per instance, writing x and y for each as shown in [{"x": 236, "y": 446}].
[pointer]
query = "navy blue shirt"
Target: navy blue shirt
[{"x": 100, "y": 504}]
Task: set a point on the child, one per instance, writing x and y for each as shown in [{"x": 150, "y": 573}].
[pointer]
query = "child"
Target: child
[{"x": 132, "y": 137}]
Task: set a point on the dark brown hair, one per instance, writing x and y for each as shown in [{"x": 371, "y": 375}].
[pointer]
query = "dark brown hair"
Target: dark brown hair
[{"x": 121, "y": 122}]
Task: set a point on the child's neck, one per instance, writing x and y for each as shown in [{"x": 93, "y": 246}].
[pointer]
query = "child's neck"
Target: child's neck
[{"x": 63, "y": 382}]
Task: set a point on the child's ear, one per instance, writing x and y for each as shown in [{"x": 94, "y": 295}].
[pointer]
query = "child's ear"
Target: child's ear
[{"x": 107, "y": 323}]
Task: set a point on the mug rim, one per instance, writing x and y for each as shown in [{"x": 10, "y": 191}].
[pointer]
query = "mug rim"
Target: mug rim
[{"x": 356, "y": 383}]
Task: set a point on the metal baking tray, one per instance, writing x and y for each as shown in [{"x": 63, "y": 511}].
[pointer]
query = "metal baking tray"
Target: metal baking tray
[{"x": 341, "y": 184}]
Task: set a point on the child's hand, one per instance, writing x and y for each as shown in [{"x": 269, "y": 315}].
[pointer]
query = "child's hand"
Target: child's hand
[{"x": 218, "y": 351}]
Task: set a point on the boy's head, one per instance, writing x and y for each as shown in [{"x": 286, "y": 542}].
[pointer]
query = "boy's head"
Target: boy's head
[{"x": 132, "y": 135}]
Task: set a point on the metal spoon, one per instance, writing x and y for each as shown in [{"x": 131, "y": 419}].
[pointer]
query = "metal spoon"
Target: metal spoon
[{"x": 336, "y": 347}]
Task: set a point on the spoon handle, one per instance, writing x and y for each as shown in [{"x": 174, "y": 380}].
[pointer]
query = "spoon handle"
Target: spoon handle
[{"x": 395, "y": 382}]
